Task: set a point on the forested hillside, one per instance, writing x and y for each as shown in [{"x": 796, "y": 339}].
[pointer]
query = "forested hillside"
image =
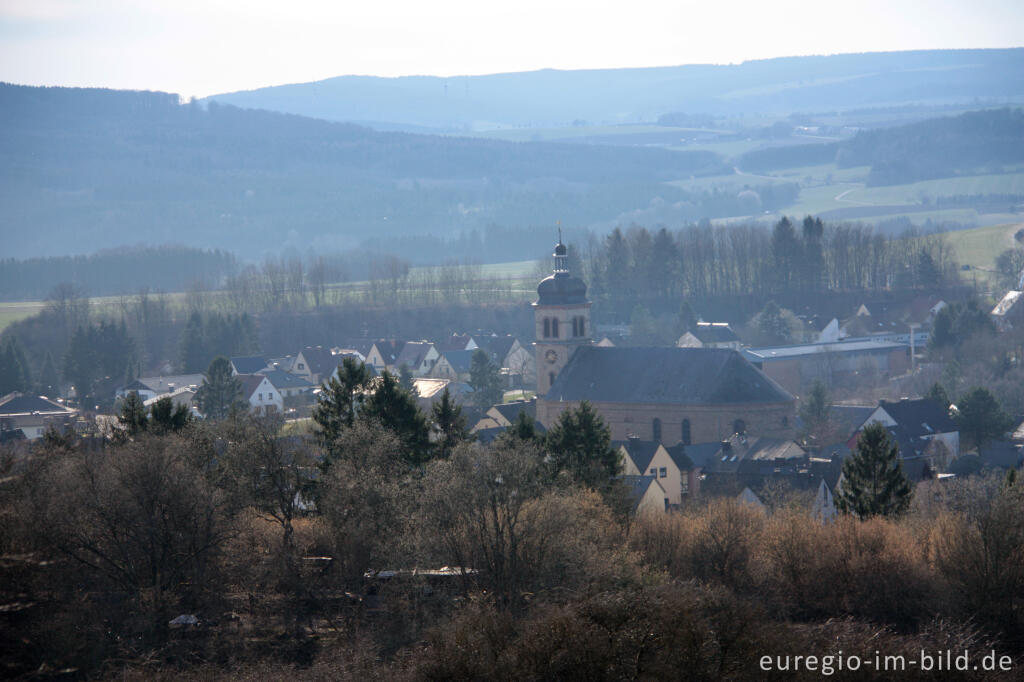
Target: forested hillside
[
  {"x": 549, "y": 97},
  {"x": 975, "y": 142},
  {"x": 87, "y": 169}
]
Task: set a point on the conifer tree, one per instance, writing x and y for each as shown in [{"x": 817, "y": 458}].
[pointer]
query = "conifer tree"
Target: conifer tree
[
  {"x": 523, "y": 428},
  {"x": 581, "y": 443},
  {"x": 133, "y": 415},
  {"x": 49, "y": 379},
  {"x": 394, "y": 408},
  {"x": 165, "y": 416},
  {"x": 873, "y": 480},
  {"x": 485, "y": 378},
  {"x": 340, "y": 399},
  {"x": 221, "y": 393},
  {"x": 980, "y": 417},
  {"x": 450, "y": 424},
  {"x": 193, "y": 344},
  {"x": 937, "y": 394}
]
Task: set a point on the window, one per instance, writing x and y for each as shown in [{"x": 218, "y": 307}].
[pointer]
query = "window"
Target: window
[
  {"x": 554, "y": 327},
  {"x": 662, "y": 472},
  {"x": 547, "y": 327},
  {"x": 551, "y": 378},
  {"x": 583, "y": 326},
  {"x": 785, "y": 421},
  {"x": 654, "y": 472},
  {"x": 575, "y": 326},
  {"x": 686, "y": 432},
  {"x": 302, "y": 366},
  {"x": 656, "y": 429},
  {"x": 261, "y": 396}
]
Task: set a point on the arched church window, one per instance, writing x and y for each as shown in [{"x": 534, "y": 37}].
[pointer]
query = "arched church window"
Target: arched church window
[
  {"x": 554, "y": 327},
  {"x": 656, "y": 429},
  {"x": 686, "y": 432},
  {"x": 547, "y": 327}
]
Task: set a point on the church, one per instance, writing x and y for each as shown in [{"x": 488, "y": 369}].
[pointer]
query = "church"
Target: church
[{"x": 671, "y": 395}]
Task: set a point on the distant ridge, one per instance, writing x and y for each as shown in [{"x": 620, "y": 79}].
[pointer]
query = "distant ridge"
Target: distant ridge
[{"x": 551, "y": 97}]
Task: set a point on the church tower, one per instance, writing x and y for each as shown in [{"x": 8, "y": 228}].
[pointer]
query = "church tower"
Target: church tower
[{"x": 562, "y": 315}]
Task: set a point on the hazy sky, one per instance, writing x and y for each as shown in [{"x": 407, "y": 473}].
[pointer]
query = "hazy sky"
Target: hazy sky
[{"x": 201, "y": 47}]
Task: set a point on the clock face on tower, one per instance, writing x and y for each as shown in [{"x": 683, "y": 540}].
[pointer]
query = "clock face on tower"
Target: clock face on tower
[{"x": 551, "y": 356}]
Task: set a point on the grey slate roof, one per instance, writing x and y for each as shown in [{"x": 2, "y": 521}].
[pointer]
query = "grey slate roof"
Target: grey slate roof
[
  {"x": 675, "y": 376},
  {"x": 280, "y": 380},
  {"x": 497, "y": 346},
  {"x": 19, "y": 403},
  {"x": 770, "y": 353},
  {"x": 460, "y": 360},
  {"x": 637, "y": 486},
  {"x": 714, "y": 332},
  {"x": 678, "y": 454},
  {"x": 919, "y": 417},
  {"x": 640, "y": 451},
  {"x": 413, "y": 354},
  {"x": 511, "y": 410},
  {"x": 249, "y": 364}
]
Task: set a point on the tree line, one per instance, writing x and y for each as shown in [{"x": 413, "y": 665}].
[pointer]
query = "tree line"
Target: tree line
[
  {"x": 115, "y": 271},
  {"x": 808, "y": 258}
]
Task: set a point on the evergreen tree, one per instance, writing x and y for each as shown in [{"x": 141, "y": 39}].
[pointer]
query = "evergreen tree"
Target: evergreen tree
[
  {"x": 221, "y": 393},
  {"x": 937, "y": 394},
  {"x": 785, "y": 254},
  {"x": 165, "y": 416},
  {"x": 450, "y": 424},
  {"x": 523, "y": 428},
  {"x": 485, "y": 378},
  {"x": 773, "y": 325},
  {"x": 395, "y": 409},
  {"x": 340, "y": 399},
  {"x": 49, "y": 379},
  {"x": 980, "y": 417},
  {"x": 814, "y": 409},
  {"x": 193, "y": 345},
  {"x": 581, "y": 444},
  {"x": 81, "y": 366},
  {"x": 14, "y": 369},
  {"x": 873, "y": 480},
  {"x": 405, "y": 377},
  {"x": 133, "y": 414}
]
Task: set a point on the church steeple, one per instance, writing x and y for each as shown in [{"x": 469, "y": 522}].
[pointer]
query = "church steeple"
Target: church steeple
[
  {"x": 561, "y": 256},
  {"x": 562, "y": 315}
]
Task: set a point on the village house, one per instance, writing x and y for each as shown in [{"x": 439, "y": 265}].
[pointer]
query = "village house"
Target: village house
[
  {"x": 646, "y": 494},
  {"x": 252, "y": 364},
  {"x": 316, "y": 364},
  {"x": 670, "y": 395},
  {"x": 1009, "y": 312},
  {"x": 261, "y": 395},
  {"x": 710, "y": 335},
  {"x": 29, "y": 416},
  {"x": 418, "y": 356},
  {"x": 290, "y": 385},
  {"x": 180, "y": 397},
  {"x": 151, "y": 387},
  {"x": 675, "y": 471},
  {"x": 916, "y": 425}
]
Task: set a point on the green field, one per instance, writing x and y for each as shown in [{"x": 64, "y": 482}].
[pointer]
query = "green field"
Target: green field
[
  {"x": 18, "y": 310},
  {"x": 980, "y": 247}
]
